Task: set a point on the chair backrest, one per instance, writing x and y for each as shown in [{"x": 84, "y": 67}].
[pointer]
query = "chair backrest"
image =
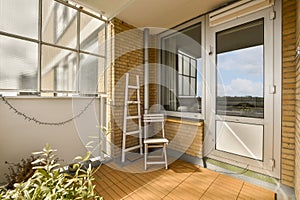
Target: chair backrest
[{"x": 154, "y": 118}]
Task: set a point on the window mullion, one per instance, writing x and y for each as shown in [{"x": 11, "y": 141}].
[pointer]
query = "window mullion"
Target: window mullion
[
  {"x": 78, "y": 52},
  {"x": 40, "y": 14},
  {"x": 190, "y": 75},
  {"x": 105, "y": 61}
]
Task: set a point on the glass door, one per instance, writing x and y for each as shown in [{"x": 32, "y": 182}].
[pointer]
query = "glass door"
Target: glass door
[{"x": 241, "y": 88}]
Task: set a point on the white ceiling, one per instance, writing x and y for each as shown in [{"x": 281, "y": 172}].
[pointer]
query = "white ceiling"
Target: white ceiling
[{"x": 153, "y": 13}]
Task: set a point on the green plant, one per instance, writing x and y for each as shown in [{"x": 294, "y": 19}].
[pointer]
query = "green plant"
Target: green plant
[{"x": 48, "y": 182}]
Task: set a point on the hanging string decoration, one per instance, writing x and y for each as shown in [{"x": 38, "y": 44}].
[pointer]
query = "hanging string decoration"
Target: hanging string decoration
[{"x": 37, "y": 121}]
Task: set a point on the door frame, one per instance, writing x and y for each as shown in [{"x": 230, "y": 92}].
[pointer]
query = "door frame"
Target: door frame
[{"x": 271, "y": 164}]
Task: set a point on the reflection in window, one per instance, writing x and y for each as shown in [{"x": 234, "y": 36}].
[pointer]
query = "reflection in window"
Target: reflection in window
[
  {"x": 19, "y": 58},
  {"x": 92, "y": 36},
  {"x": 59, "y": 24},
  {"x": 19, "y": 17},
  {"x": 187, "y": 75},
  {"x": 60, "y": 47},
  {"x": 58, "y": 70},
  {"x": 18, "y": 64},
  {"x": 181, "y": 70},
  {"x": 89, "y": 71},
  {"x": 63, "y": 19},
  {"x": 240, "y": 71}
]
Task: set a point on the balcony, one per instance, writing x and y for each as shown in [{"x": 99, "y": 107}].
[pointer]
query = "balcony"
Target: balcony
[{"x": 181, "y": 181}]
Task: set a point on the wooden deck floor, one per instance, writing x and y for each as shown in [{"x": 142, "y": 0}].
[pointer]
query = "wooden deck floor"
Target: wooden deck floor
[{"x": 181, "y": 181}]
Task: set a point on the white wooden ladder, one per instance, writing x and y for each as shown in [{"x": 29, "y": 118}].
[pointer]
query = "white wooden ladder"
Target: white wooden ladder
[{"x": 137, "y": 132}]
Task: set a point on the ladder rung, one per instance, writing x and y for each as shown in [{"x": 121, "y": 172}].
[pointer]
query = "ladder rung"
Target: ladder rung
[
  {"x": 132, "y": 132},
  {"x": 132, "y": 148},
  {"x": 133, "y": 87},
  {"x": 133, "y": 102},
  {"x": 155, "y": 163},
  {"x": 133, "y": 117},
  {"x": 160, "y": 156}
]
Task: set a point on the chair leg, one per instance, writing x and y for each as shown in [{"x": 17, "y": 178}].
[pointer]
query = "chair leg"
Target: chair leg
[
  {"x": 145, "y": 155},
  {"x": 165, "y": 152}
]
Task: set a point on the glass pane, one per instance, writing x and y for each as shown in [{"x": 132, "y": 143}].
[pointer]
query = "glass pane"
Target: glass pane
[
  {"x": 19, "y": 17},
  {"x": 58, "y": 69},
  {"x": 193, "y": 67},
  {"x": 18, "y": 64},
  {"x": 92, "y": 34},
  {"x": 199, "y": 77},
  {"x": 90, "y": 69},
  {"x": 179, "y": 63},
  {"x": 186, "y": 65},
  {"x": 193, "y": 87},
  {"x": 176, "y": 92},
  {"x": 186, "y": 86},
  {"x": 59, "y": 25},
  {"x": 240, "y": 71},
  {"x": 180, "y": 85}
]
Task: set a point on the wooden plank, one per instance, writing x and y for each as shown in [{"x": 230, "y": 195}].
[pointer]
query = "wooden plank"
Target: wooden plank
[
  {"x": 146, "y": 193},
  {"x": 118, "y": 189},
  {"x": 135, "y": 196},
  {"x": 260, "y": 193},
  {"x": 224, "y": 187},
  {"x": 173, "y": 196},
  {"x": 126, "y": 187},
  {"x": 185, "y": 192},
  {"x": 112, "y": 194},
  {"x": 134, "y": 186},
  {"x": 181, "y": 181},
  {"x": 158, "y": 189},
  {"x": 103, "y": 193},
  {"x": 103, "y": 180}
]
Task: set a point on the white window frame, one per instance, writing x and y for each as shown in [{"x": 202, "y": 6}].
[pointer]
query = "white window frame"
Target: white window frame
[
  {"x": 190, "y": 115},
  {"x": 42, "y": 23},
  {"x": 271, "y": 167}
]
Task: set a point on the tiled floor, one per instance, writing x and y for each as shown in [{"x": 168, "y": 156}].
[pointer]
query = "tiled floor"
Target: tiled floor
[{"x": 181, "y": 181}]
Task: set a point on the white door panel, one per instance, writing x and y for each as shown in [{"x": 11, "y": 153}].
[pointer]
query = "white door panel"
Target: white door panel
[
  {"x": 241, "y": 129},
  {"x": 240, "y": 139}
]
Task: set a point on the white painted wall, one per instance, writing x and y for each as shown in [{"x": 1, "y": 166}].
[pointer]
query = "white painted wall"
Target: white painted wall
[{"x": 18, "y": 138}]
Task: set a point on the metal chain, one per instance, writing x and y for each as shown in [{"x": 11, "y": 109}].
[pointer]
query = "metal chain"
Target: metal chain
[{"x": 29, "y": 118}]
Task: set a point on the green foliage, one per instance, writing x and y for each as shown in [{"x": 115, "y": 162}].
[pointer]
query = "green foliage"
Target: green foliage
[{"x": 49, "y": 183}]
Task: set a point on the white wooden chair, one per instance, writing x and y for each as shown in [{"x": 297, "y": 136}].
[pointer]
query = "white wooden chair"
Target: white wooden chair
[{"x": 155, "y": 142}]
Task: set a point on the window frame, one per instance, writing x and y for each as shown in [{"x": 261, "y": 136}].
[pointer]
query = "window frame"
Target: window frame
[
  {"x": 190, "y": 115},
  {"x": 40, "y": 42},
  {"x": 187, "y": 75}
]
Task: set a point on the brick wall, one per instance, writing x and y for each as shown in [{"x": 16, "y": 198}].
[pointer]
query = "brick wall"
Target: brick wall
[
  {"x": 185, "y": 136},
  {"x": 297, "y": 138},
  {"x": 127, "y": 56},
  {"x": 153, "y": 88},
  {"x": 288, "y": 91},
  {"x": 126, "y": 45}
]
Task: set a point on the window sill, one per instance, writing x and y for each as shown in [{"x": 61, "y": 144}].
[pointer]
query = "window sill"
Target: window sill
[
  {"x": 198, "y": 123},
  {"x": 187, "y": 115},
  {"x": 51, "y": 97}
]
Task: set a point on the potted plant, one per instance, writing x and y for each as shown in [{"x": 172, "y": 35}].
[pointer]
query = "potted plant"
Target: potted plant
[{"x": 50, "y": 182}]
